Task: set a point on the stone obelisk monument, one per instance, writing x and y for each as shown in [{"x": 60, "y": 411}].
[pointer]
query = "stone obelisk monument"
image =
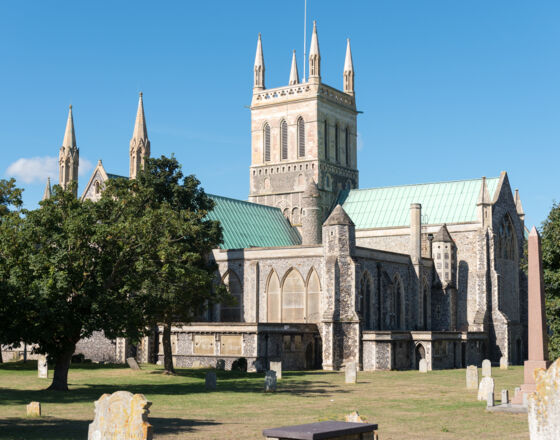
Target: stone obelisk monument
[{"x": 538, "y": 347}]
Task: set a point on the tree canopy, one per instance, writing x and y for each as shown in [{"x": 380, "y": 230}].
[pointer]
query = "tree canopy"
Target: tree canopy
[{"x": 550, "y": 238}]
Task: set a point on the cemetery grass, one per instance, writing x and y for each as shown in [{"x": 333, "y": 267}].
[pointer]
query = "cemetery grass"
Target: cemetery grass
[{"x": 405, "y": 404}]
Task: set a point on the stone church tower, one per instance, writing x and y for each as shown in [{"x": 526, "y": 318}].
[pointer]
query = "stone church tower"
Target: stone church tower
[
  {"x": 301, "y": 132},
  {"x": 139, "y": 144},
  {"x": 68, "y": 156}
]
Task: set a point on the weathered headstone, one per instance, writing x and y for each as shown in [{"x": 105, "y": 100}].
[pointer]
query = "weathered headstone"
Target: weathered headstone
[
  {"x": 544, "y": 404},
  {"x": 505, "y": 397},
  {"x": 503, "y": 363},
  {"x": 423, "y": 366},
  {"x": 121, "y": 415},
  {"x": 486, "y": 386},
  {"x": 270, "y": 382},
  {"x": 210, "y": 381},
  {"x": 220, "y": 364},
  {"x": 490, "y": 399},
  {"x": 354, "y": 417},
  {"x": 277, "y": 367},
  {"x": 42, "y": 367},
  {"x": 33, "y": 409},
  {"x": 472, "y": 377},
  {"x": 350, "y": 372},
  {"x": 538, "y": 344},
  {"x": 486, "y": 368},
  {"x": 132, "y": 363},
  {"x": 516, "y": 391}
]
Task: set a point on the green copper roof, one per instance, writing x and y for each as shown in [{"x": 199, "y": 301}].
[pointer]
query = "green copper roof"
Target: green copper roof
[
  {"x": 442, "y": 202},
  {"x": 248, "y": 224}
]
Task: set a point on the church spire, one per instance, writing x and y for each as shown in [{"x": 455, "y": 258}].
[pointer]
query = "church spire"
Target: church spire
[
  {"x": 47, "y": 193},
  {"x": 139, "y": 144},
  {"x": 259, "y": 67},
  {"x": 68, "y": 156},
  {"x": 294, "y": 75},
  {"x": 348, "y": 73},
  {"x": 314, "y": 57}
]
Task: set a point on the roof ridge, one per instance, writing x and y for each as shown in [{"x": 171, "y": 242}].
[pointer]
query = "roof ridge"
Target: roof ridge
[
  {"x": 426, "y": 183},
  {"x": 244, "y": 201}
]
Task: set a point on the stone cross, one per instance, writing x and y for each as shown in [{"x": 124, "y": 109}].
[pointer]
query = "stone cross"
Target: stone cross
[
  {"x": 121, "y": 415},
  {"x": 270, "y": 382},
  {"x": 210, "y": 381},
  {"x": 538, "y": 346},
  {"x": 33, "y": 409},
  {"x": 544, "y": 405},
  {"x": 132, "y": 363},
  {"x": 277, "y": 367},
  {"x": 42, "y": 367},
  {"x": 503, "y": 363},
  {"x": 423, "y": 366},
  {"x": 486, "y": 368},
  {"x": 505, "y": 397},
  {"x": 472, "y": 377},
  {"x": 486, "y": 386},
  {"x": 350, "y": 372}
]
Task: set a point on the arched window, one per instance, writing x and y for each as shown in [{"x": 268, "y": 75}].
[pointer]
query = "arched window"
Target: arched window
[
  {"x": 293, "y": 297},
  {"x": 295, "y": 216},
  {"x": 366, "y": 301},
  {"x": 313, "y": 297},
  {"x": 425, "y": 305},
  {"x": 97, "y": 187},
  {"x": 336, "y": 144},
  {"x": 506, "y": 239},
  {"x": 266, "y": 142},
  {"x": 398, "y": 304},
  {"x": 284, "y": 139},
  {"x": 273, "y": 298},
  {"x": 301, "y": 136},
  {"x": 326, "y": 140},
  {"x": 232, "y": 312},
  {"x": 347, "y": 146},
  {"x": 138, "y": 160}
]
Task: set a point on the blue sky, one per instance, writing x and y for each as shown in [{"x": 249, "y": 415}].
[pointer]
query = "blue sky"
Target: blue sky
[{"x": 449, "y": 89}]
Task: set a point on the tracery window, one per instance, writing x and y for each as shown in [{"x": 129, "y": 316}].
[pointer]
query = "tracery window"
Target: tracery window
[
  {"x": 301, "y": 136},
  {"x": 366, "y": 300},
  {"x": 336, "y": 144},
  {"x": 505, "y": 248},
  {"x": 232, "y": 312},
  {"x": 266, "y": 141},
  {"x": 284, "y": 139},
  {"x": 347, "y": 146},
  {"x": 397, "y": 304}
]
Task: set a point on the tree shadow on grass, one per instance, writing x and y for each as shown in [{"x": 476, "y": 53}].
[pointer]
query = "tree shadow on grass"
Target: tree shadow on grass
[{"x": 54, "y": 428}]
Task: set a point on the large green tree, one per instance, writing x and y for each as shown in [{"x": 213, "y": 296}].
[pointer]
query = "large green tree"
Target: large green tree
[
  {"x": 167, "y": 212},
  {"x": 72, "y": 274},
  {"x": 551, "y": 265}
]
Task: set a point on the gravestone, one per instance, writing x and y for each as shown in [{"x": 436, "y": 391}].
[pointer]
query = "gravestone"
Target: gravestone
[
  {"x": 132, "y": 363},
  {"x": 490, "y": 399},
  {"x": 270, "y": 382},
  {"x": 210, "y": 381},
  {"x": 544, "y": 404},
  {"x": 486, "y": 368},
  {"x": 423, "y": 366},
  {"x": 121, "y": 415},
  {"x": 33, "y": 409},
  {"x": 354, "y": 417},
  {"x": 276, "y": 366},
  {"x": 505, "y": 397},
  {"x": 486, "y": 386},
  {"x": 472, "y": 377},
  {"x": 503, "y": 363},
  {"x": 42, "y": 367},
  {"x": 350, "y": 372}
]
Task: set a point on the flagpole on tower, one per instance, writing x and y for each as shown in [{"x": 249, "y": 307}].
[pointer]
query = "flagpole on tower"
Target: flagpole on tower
[{"x": 304, "y": 36}]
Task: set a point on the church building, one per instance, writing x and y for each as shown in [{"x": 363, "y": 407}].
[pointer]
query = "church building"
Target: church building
[{"x": 324, "y": 272}]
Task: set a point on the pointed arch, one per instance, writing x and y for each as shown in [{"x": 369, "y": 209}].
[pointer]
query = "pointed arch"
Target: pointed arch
[
  {"x": 347, "y": 146},
  {"x": 301, "y": 136},
  {"x": 284, "y": 139},
  {"x": 426, "y": 305},
  {"x": 365, "y": 302},
  {"x": 313, "y": 306},
  {"x": 232, "y": 312},
  {"x": 273, "y": 298},
  {"x": 336, "y": 144},
  {"x": 293, "y": 297},
  {"x": 326, "y": 139},
  {"x": 506, "y": 240},
  {"x": 397, "y": 303}
]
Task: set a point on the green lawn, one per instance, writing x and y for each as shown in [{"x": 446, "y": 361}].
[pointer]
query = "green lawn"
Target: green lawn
[{"x": 405, "y": 404}]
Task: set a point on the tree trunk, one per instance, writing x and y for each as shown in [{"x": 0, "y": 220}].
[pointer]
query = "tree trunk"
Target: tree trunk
[
  {"x": 61, "y": 366},
  {"x": 167, "y": 354}
]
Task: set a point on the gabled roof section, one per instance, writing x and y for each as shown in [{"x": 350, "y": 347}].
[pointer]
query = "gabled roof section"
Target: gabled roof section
[
  {"x": 442, "y": 202},
  {"x": 246, "y": 224}
]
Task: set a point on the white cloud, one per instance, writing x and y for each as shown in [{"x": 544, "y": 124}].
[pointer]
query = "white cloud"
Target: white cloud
[{"x": 37, "y": 169}]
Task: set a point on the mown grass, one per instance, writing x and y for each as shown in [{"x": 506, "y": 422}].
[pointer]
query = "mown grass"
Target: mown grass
[{"x": 405, "y": 404}]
